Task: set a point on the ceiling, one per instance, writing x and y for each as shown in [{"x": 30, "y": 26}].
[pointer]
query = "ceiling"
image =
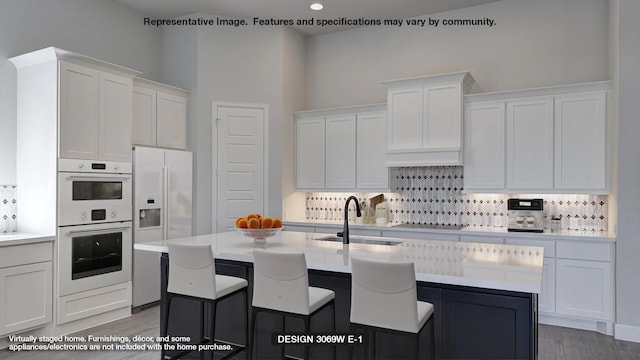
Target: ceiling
[{"x": 299, "y": 9}]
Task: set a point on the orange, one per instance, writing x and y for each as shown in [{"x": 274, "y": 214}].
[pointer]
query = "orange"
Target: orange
[
  {"x": 266, "y": 223},
  {"x": 238, "y": 220},
  {"x": 253, "y": 223},
  {"x": 277, "y": 223},
  {"x": 242, "y": 223},
  {"x": 254, "y": 216}
]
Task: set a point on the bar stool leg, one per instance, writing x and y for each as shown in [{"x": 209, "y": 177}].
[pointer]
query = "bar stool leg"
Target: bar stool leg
[
  {"x": 246, "y": 325},
  {"x": 254, "y": 315},
  {"x": 166, "y": 324}
]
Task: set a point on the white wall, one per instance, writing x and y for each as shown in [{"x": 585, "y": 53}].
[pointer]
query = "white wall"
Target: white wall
[
  {"x": 628, "y": 242},
  {"x": 101, "y": 29},
  {"x": 533, "y": 44},
  {"x": 235, "y": 65}
]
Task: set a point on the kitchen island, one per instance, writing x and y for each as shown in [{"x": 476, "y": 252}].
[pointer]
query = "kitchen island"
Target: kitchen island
[{"x": 485, "y": 295}]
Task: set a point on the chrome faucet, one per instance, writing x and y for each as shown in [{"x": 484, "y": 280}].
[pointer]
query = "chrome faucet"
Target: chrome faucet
[{"x": 345, "y": 230}]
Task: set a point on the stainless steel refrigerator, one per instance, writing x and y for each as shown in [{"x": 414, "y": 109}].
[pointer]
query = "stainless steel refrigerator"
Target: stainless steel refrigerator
[{"x": 162, "y": 210}]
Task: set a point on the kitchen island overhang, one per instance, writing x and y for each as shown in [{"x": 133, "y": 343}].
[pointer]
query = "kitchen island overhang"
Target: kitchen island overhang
[{"x": 485, "y": 295}]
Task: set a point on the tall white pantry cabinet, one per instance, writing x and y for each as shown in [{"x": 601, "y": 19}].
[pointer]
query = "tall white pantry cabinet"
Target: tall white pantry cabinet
[{"x": 69, "y": 106}]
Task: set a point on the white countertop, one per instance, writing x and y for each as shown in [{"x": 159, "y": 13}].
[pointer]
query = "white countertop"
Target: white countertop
[
  {"x": 492, "y": 266},
  {"x": 10, "y": 239},
  {"x": 467, "y": 230}
]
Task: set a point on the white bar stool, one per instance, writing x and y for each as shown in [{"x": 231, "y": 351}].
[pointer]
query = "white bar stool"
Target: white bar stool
[
  {"x": 281, "y": 286},
  {"x": 384, "y": 298},
  {"x": 192, "y": 275}
]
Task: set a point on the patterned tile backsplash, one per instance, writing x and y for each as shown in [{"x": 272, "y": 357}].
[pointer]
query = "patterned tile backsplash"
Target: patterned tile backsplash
[
  {"x": 433, "y": 195},
  {"x": 8, "y": 209}
]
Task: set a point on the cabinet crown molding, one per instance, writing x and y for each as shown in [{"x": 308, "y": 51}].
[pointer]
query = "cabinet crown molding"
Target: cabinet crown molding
[
  {"x": 462, "y": 76},
  {"x": 340, "y": 110},
  {"x": 55, "y": 54},
  {"x": 158, "y": 86},
  {"x": 541, "y": 91}
]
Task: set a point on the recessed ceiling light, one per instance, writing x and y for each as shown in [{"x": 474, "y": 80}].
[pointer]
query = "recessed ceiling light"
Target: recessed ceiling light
[{"x": 317, "y": 6}]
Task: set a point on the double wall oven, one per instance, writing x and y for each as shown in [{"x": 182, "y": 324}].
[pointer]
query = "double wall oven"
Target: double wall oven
[{"x": 94, "y": 224}]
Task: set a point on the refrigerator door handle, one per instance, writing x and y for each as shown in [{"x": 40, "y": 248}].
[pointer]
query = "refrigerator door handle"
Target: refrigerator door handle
[{"x": 165, "y": 203}]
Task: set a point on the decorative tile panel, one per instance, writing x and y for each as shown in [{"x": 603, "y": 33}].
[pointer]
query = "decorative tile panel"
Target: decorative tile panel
[
  {"x": 433, "y": 195},
  {"x": 8, "y": 209}
]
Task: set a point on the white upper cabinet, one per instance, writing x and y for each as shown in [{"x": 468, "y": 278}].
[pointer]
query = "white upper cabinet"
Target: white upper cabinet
[
  {"x": 484, "y": 159},
  {"x": 550, "y": 140},
  {"x": 371, "y": 172},
  {"x": 341, "y": 149},
  {"x": 115, "y": 117},
  {"x": 95, "y": 114},
  {"x": 310, "y": 153},
  {"x": 581, "y": 141},
  {"x": 159, "y": 115},
  {"x": 79, "y": 111},
  {"x": 86, "y": 99},
  {"x": 424, "y": 124},
  {"x": 530, "y": 144}
]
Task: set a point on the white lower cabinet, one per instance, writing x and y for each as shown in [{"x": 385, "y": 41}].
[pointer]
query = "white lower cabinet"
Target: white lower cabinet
[
  {"x": 584, "y": 289},
  {"x": 584, "y": 275},
  {"x": 547, "y": 296},
  {"x": 26, "y": 287},
  {"x": 482, "y": 239}
]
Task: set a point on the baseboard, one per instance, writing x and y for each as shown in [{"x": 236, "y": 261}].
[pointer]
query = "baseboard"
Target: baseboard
[
  {"x": 627, "y": 333},
  {"x": 603, "y": 327}
]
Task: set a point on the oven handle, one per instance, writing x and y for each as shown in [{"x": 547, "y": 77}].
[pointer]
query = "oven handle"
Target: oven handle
[
  {"x": 96, "y": 232},
  {"x": 89, "y": 178}
]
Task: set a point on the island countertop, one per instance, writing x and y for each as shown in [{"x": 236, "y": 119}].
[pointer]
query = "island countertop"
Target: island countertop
[{"x": 491, "y": 266}]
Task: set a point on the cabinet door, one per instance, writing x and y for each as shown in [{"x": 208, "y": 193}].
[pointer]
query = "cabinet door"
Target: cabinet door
[
  {"x": 372, "y": 172},
  {"x": 79, "y": 108},
  {"x": 404, "y": 129},
  {"x": 530, "y": 144},
  {"x": 484, "y": 146},
  {"x": 27, "y": 297},
  {"x": 115, "y": 117},
  {"x": 547, "y": 296},
  {"x": 581, "y": 134},
  {"x": 144, "y": 116},
  {"x": 340, "y": 148},
  {"x": 442, "y": 117},
  {"x": 584, "y": 289},
  {"x": 171, "y": 121},
  {"x": 310, "y": 158}
]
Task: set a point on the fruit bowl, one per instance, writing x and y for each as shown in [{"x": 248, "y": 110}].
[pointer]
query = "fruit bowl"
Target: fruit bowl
[{"x": 259, "y": 235}]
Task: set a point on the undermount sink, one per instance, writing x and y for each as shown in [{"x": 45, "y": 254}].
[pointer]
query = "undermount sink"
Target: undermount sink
[{"x": 358, "y": 240}]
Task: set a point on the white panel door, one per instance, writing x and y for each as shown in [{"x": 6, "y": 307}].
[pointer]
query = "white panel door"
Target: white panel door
[
  {"x": 241, "y": 163},
  {"x": 115, "y": 117},
  {"x": 372, "y": 172},
  {"x": 144, "y": 116},
  {"x": 310, "y": 153},
  {"x": 340, "y": 152},
  {"x": 581, "y": 137},
  {"x": 530, "y": 144},
  {"x": 79, "y": 107},
  {"x": 484, "y": 156},
  {"x": 171, "y": 121}
]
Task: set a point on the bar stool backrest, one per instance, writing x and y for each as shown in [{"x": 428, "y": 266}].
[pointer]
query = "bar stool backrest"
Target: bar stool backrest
[
  {"x": 192, "y": 270},
  {"x": 280, "y": 281},
  {"x": 383, "y": 294}
]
